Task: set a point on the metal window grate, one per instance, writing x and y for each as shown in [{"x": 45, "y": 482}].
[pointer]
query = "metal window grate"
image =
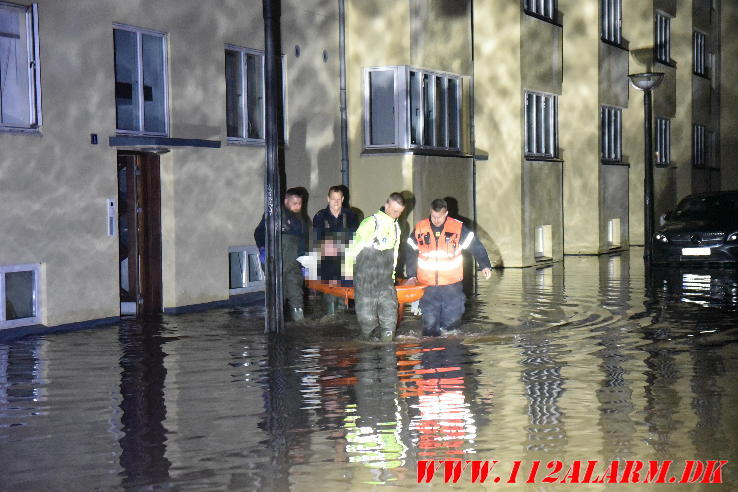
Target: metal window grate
[
  {"x": 662, "y": 42},
  {"x": 540, "y": 124},
  {"x": 663, "y": 142},
  {"x": 611, "y": 20},
  {"x": 611, "y": 133}
]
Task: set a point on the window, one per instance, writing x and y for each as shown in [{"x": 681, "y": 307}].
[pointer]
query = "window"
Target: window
[
  {"x": 20, "y": 88},
  {"x": 140, "y": 81},
  {"x": 699, "y": 57},
  {"x": 245, "y": 95},
  {"x": 611, "y": 129},
  {"x": 611, "y": 20},
  {"x": 540, "y": 125},
  {"x": 698, "y": 145},
  {"x": 613, "y": 233},
  {"x": 663, "y": 142},
  {"x": 662, "y": 42},
  {"x": 542, "y": 242},
  {"x": 19, "y": 295},
  {"x": 542, "y": 8},
  {"x": 244, "y": 270},
  {"x": 408, "y": 107}
]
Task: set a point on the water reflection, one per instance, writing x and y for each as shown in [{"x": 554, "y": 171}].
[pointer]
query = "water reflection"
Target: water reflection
[{"x": 595, "y": 358}]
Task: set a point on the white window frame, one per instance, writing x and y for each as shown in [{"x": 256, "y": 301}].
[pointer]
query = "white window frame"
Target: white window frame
[
  {"x": 611, "y": 21},
  {"x": 165, "y": 75},
  {"x": 243, "y": 52},
  {"x": 402, "y": 110},
  {"x": 699, "y": 151},
  {"x": 36, "y": 269},
  {"x": 549, "y": 139},
  {"x": 662, "y": 149},
  {"x": 251, "y": 286},
  {"x": 662, "y": 38},
  {"x": 699, "y": 53},
  {"x": 33, "y": 62},
  {"x": 541, "y": 8},
  {"x": 611, "y": 134}
]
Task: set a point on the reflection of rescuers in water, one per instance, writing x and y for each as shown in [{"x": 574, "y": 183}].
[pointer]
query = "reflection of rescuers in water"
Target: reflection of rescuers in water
[
  {"x": 333, "y": 227},
  {"x": 293, "y": 246},
  {"x": 434, "y": 258},
  {"x": 374, "y": 251}
]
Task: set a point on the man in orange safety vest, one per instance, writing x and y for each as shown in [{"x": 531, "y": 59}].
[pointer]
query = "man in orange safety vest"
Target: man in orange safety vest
[{"x": 433, "y": 258}]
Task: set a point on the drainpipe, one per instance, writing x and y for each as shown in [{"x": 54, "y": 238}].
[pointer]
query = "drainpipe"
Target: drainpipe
[
  {"x": 472, "y": 135},
  {"x": 342, "y": 92}
]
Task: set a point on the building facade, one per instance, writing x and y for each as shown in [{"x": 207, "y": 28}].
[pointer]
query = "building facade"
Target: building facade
[{"x": 132, "y": 133}]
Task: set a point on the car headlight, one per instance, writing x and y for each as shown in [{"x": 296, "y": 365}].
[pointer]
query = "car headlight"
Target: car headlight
[
  {"x": 733, "y": 237},
  {"x": 661, "y": 238}
]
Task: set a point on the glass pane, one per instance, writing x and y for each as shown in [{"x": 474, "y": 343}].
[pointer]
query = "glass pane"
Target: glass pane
[
  {"x": 153, "y": 84},
  {"x": 236, "y": 271},
  {"x": 255, "y": 271},
  {"x": 15, "y": 103},
  {"x": 530, "y": 123},
  {"x": 234, "y": 94},
  {"x": 415, "y": 109},
  {"x": 440, "y": 106},
  {"x": 382, "y": 107},
  {"x": 19, "y": 295},
  {"x": 255, "y": 95},
  {"x": 126, "y": 80},
  {"x": 427, "y": 109},
  {"x": 453, "y": 113}
]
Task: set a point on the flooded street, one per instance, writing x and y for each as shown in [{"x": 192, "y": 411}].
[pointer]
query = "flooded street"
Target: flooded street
[{"x": 584, "y": 360}]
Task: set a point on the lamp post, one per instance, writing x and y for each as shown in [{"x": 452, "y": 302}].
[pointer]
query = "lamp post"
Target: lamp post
[
  {"x": 274, "y": 316},
  {"x": 647, "y": 82}
]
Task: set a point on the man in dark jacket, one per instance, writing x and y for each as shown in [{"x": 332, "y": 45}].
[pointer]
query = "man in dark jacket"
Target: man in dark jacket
[
  {"x": 434, "y": 259},
  {"x": 333, "y": 227},
  {"x": 293, "y": 246}
]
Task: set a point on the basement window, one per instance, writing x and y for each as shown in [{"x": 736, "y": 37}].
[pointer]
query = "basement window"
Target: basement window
[
  {"x": 245, "y": 273},
  {"x": 543, "y": 240},
  {"x": 19, "y": 295},
  {"x": 613, "y": 233}
]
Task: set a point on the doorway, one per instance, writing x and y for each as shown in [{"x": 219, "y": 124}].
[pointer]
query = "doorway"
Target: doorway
[{"x": 139, "y": 233}]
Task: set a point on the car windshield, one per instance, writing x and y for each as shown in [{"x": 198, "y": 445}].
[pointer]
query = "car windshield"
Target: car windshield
[{"x": 707, "y": 207}]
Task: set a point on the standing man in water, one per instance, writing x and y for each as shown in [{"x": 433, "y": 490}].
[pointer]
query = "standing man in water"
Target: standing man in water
[
  {"x": 374, "y": 251},
  {"x": 293, "y": 246},
  {"x": 333, "y": 226},
  {"x": 434, "y": 259}
]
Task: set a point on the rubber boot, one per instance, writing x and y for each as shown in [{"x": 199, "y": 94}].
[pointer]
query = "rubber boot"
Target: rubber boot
[{"x": 296, "y": 314}]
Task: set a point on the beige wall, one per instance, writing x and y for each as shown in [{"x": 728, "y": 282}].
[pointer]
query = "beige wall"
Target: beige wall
[
  {"x": 498, "y": 100},
  {"x": 55, "y": 185},
  {"x": 729, "y": 95}
]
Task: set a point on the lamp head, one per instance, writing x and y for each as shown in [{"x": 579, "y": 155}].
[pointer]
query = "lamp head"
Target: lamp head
[{"x": 646, "y": 81}]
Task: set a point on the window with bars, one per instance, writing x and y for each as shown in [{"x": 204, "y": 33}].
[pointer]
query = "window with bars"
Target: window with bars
[
  {"x": 611, "y": 134},
  {"x": 699, "y": 151},
  {"x": 407, "y": 107},
  {"x": 611, "y": 20},
  {"x": 662, "y": 41},
  {"x": 20, "y": 87},
  {"x": 541, "y": 8},
  {"x": 663, "y": 142},
  {"x": 541, "y": 122},
  {"x": 699, "y": 56},
  {"x": 140, "y": 81}
]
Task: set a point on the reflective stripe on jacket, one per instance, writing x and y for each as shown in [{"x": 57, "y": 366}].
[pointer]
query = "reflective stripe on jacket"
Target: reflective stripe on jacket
[{"x": 439, "y": 258}]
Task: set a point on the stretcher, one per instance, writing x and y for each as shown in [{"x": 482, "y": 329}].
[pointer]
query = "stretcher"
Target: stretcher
[{"x": 405, "y": 293}]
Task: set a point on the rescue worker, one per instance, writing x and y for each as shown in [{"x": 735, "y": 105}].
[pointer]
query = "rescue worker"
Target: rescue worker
[
  {"x": 333, "y": 227},
  {"x": 374, "y": 251},
  {"x": 434, "y": 258},
  {"x": 293, "y": 246}
]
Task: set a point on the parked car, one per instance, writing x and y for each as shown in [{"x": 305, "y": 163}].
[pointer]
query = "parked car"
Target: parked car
[{"x": 703, "y": 228}]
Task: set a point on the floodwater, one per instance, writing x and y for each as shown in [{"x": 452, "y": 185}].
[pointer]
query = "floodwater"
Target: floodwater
[{"x": 584, "y": 360}]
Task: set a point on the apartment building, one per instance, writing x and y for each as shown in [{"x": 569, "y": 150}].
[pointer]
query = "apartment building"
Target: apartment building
[{"x": 132, "y": 133}]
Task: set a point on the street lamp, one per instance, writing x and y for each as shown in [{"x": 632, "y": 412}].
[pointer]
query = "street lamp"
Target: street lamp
[{"x": 647, "y": 82}]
